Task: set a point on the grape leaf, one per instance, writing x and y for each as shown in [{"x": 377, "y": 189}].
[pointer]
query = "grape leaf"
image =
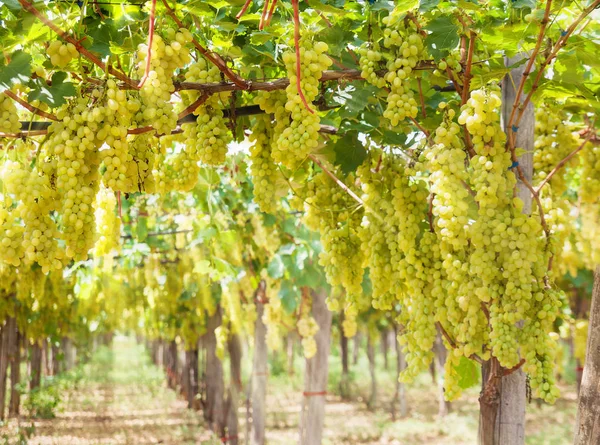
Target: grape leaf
[
  {"x": 349, "y": 152},
  {"x": 55, "y": 94},
  {"x": 468, "y": 373},
  {"x": 17, "y": 71},
  {"x": 289, "y": 296},
  {"x": 276, "y": 267},
  {"x": 444, "y": 36},
  {"x": 13, "y": 5},
  {"x": 428, "y": 5}
]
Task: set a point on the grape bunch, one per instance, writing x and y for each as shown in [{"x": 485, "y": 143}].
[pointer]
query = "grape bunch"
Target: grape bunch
[
  {"x": 71, "y": 158},
  {"x": 370, "y": 60},
  {"x": 298, "y": 140},
  {"x": 264, "y": 171},
  {"x": 61, "y": 53},
  {"x": 143, "y": 150},
  {"x": 30, "y": 219},
  {"x": 332, "y": 212},
  {"x": 9, "y": 118},
  {"x": 108, "y": 223},
  {"x": 308, "y": 328},
  {"x": 207, "y": 139},
  {"x": 167, "y": 56},
  {"x": 406, "y": 44}
]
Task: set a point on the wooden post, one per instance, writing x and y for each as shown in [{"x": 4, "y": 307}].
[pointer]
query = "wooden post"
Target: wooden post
[
  {"x": 371, "y": 356},
  {"x": 35, "y": 366},
  {"x": 4, "y": 360},
  {"x": 259, "y": 373},
  {"x": 15, "y": 374},
  {"x": 234, "y": 347},
  {"x": 345, "y": 379},
  {"x": 587, "y": 426},
  {"x": 400, "y": 395},
  {"x": 214, "y": 409},
  {"x": 312, "y": 415},
  {"x": 502, "y": 401}
]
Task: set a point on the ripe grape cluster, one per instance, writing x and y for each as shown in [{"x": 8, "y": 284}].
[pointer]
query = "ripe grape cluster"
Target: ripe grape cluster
[
  {"x": 61, "y": 53},
  {"x": 406, "y": 44},
  {"x": 108, "y": 223},
  {"x": 167, "y": 56},
  {"x": 9, "y": 118},
  {"x": 370, "y": 60},
  {"x": 264, "y": 172},
  {"x": 30, "y": 234},
  {"x": 207, "y": 139},
  {"x": 300, "y": 138},
  {"x": 307, "y": 328},
  {"x": 332, "y": 212}
]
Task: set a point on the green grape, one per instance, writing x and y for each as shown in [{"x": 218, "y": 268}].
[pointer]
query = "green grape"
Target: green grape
[
  {"x": 207, "y": 139},
  {"x": 166, "y": 57},
  {"x": 580, "y": 336},
  {"x": 407, "y": 47},
  {"x": 143, "y": 150},
  {"x": 264, "y": 172},
  {"x": 108, "y": 223},
  {"x": 369, "y": 62},
  {"x": 590, "y": 174},
  {"x": 300, "y": 139},
  {"x": 61, "y": 53},
  {"x": 71, "y": 157},
  {"x": 332, "y": 212},
  {"x": 9, "y": 117}
]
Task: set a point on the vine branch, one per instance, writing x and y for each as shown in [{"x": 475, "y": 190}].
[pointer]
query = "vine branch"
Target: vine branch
[{"x": 150, "y": 39}]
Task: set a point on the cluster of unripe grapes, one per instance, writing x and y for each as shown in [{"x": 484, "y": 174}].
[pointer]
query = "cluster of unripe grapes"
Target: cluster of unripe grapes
[
  {"x": 61, "y": 53},
  {"x": 300, "y": 138}
]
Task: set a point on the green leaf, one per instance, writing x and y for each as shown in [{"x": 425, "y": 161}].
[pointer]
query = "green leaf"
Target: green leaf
[
  {"x": 13, "y": 5},
  {"x": 289, "y": 296},
  {"x": 102, "y": 33},
  {"x": 520, "y": 4},
  {"x": 54, "y": 95},
  {"x": 142, "y": 229},
  {"x": 349, "y": 152},
  {"x": 428, "y": 5},
  {"x": 17, "y": 71},
  {"x": 444, "y": 36},
  {"x": 468, "y": 373},
  {"x": 276, "y": 267}
]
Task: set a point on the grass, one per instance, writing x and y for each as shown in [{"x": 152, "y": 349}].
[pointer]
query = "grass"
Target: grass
[{"x": 120, "y": 397}]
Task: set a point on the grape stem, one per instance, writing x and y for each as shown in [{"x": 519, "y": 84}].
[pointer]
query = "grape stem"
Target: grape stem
[
  {"x": 82, "y": 50},
  {"x": 467, "y": 76},
  {"x": 263, "y": 16},
  {"x": 453, "y": 344},
  {"x": 271, "y": 12},
  {"x": 30, "y": 107},
  {"x": 191, "y": 108},
  {"x": 527, "y": 71},
  {"x": 562, "y": 41},
  {"x": 506, "y": 372},
  {"x": 296, "y": 7},
  {"x": 150, "y": 39},
  {"x": 244, "y": 9},
  {"x": 563, "y": 162},
  {"x": 212, "y": 57}
]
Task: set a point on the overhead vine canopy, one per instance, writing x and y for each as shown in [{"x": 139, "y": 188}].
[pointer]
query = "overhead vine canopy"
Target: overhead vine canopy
[{"x": 375, "y": 123}]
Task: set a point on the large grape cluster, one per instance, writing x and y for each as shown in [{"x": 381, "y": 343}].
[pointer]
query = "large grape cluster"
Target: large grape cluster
[
  {"x": 71, "y": 159},
  {"x": 167, "y": 55},
  {"x": 590, "y": 174},
  {"x": 298, "y": 140},
  {"x": 263, "y": 169},
  {"x": 406, "y": 43},
  {"x": 108, "y": 223},
  {"x": 31, "y": 236},
  {"x": 207, "y": 139},
  {"x": 332, "y": 212},
  {"x": 307, "y": 328},
  {"x": 9, "y": 118},
  {"x": 143, "y": 150}
]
